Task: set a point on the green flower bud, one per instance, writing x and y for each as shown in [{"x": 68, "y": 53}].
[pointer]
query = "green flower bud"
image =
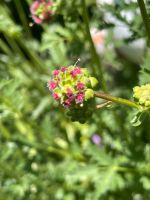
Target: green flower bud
[
  {"x": 89, "y": 93},
  {"x": 93, "y": 81}
]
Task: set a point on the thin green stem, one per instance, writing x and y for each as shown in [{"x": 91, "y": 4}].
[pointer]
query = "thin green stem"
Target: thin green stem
[
  {"x": 14, "y": 46},
  {"x": 4, "y": 47},
  {"x": 23, "y": 17},
  {"x": 116, "y": 99},
  {"x": 145, "y": 17},
  {"x": 95, "y": 57},
  {"x": 133, "y": 169}
]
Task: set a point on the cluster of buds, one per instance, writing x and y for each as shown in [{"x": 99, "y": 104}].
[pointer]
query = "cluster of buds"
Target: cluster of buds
[
  {"x": 142, "y": 95},
  {"x": 73, "y": 87},
  {"x": 41, "y": 11}
]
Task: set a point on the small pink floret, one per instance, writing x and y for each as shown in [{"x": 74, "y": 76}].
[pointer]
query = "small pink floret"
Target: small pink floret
[
  {"x": 56, "y": 72},
  {"x": 63, "y": 69},
  {"x": 79, "y": 98},
  {"x": 67, "y": 103},
  {"x": 52, "y": 85},
  {"x": 69, "y": 92},
  {"x": 34, "y": 6},
  {"x": 80, "y": 86},
  {"x": 75, "y": 72},
  {"x": 55, "y": 96}
]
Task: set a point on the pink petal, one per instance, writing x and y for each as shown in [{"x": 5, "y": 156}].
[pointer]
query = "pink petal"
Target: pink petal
[
  {"x": 37, "y": 20},
  {"x": 34, "y": 6}
]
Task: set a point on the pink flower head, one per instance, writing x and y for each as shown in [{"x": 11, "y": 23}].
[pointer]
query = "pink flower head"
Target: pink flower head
[
  {"x": 52, "y": 85},
  {"x": 69, "y": 92},
  {"x": 63, "y": 69},
  {"x": 40, "y": 11},
  {"x": 56, "y": 72},
  {"x": 79, "y": 98},
  {"x": 69, "y": 85},
  {"x": 55, "y": 96},
  {"x": 96, "y": 139},
  {"x": 75, "y": 72},
  {"x": 80, "y": 86}
]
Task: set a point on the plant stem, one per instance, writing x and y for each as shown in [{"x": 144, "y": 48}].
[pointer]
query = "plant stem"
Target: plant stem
[
  {"x": 23, "y": 17},
  {"x": 116, "y": 99},
  {"x": 103, "y": 105},
  {"x": 95, "y": 57},
  {"x": 145, "y": 17}
]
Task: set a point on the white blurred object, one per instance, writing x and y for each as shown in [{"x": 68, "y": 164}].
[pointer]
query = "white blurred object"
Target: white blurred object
[
  {"x": 110, "y": 2},
  {"x": 128, "y": 15},
  {"x": 130, "y": 1},
  {"x": 134, "y": 51},
  {"x": 121, "y": 30}
]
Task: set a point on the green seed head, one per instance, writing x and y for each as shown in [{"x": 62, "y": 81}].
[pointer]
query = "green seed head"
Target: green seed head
[{"x": 142, "y": 95}]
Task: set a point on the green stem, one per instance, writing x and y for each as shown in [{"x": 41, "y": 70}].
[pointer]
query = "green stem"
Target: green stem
[
  {"x": 116, "y": 99},
  {"x": 145, "y": 17},
  {"x": 133, "y": 169},
  {"x": 23, "y": 17},
  {"x": 4, "y": 47},
  {"x": 95, "y": 57}
]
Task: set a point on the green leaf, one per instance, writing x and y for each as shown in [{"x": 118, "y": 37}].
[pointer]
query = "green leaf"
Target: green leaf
[
  {"x": 108, "y": 180},
  {"x": 136, "y": 121}
]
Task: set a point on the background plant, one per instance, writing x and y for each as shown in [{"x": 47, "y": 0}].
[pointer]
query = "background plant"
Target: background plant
[{"x": 44, "y": 155}]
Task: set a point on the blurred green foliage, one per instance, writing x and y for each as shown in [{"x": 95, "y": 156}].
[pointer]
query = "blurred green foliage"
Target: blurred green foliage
[{"x": 44, "y": 156}]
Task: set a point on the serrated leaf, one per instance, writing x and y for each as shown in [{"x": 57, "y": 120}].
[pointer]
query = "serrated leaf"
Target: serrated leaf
[{"x": 109, "y": 180}]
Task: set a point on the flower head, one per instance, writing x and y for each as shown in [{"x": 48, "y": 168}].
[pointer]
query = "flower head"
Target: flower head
[
  {"x": 41, "y": 11},
  {"x": 96, "y": 139},
  {"x": 73, "y": 87},
  {"x": 142, "y": 95}
]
